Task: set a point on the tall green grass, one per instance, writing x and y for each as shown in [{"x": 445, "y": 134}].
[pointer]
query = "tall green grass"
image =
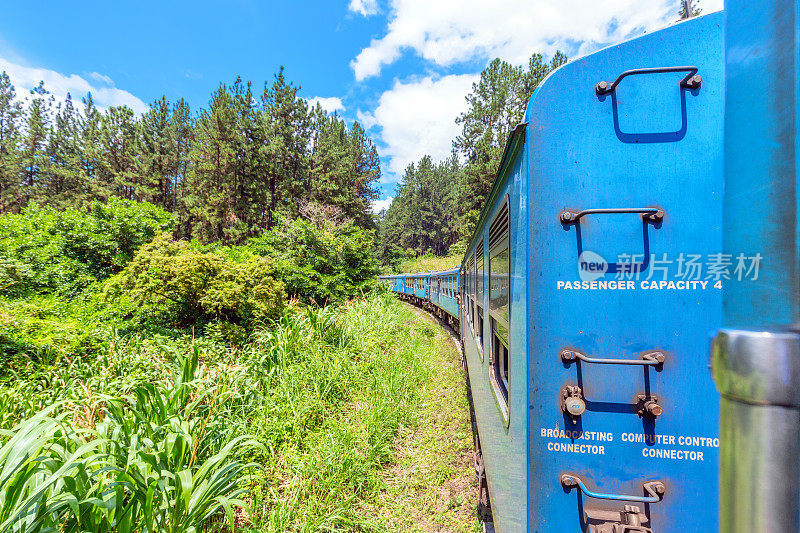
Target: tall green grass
[
  {"x": 288, "y": 432},
  {"x": 158, "y": 459},
  {"x": 343, "y": 382}
]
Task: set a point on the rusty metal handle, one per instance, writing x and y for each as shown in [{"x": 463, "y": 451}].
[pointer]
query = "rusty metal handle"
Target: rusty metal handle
[
  {"x": 651, "y": 214},
  {"x": 654, "y": 358},
  {"x": 655, "y": 489},
  {"x": 690, "y": 81}
]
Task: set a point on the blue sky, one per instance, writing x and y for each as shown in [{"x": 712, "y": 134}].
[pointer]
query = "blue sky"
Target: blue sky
[{"x": 401, "y": 67}]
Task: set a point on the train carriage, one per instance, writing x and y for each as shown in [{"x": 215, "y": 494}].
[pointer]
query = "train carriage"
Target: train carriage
[
  {"x": 444, "y": 291},
  {"x": 587, "y": 295}
]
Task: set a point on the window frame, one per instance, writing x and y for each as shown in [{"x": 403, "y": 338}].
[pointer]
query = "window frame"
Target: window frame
[
  {"x": 499, "y": 347},
  {"x": 480, "y": 300}
]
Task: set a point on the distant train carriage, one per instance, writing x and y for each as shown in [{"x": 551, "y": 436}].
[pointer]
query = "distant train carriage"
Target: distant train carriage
[
  {"x": 444, "y": 291},
  {"x": 588, "y": 292}
]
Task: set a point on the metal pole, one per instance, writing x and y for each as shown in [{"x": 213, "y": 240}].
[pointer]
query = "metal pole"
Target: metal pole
[
  {"x": 756, "y": 358},
  {"x": 757, "y": 374}
]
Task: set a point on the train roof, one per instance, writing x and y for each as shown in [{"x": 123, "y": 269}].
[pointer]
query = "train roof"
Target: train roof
[{"x": 453, "y": 270}]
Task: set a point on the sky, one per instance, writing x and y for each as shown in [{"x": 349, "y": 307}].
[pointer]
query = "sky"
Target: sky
[{"x": 400, "y": 67}]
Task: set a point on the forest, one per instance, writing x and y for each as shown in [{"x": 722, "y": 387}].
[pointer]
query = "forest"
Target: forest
[
  {"x": 226, "y": 171},
  {"x": 180, "y": 340},
  {"x": 437, "y": 203}
]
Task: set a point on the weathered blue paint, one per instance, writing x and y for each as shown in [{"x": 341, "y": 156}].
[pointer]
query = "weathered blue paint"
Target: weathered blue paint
[
  {"x": 394, "y": 283},
  {"x": 761, "y": 160},
  {"x": 504, "y": 446},
  {"x": 649, "y": 144}
]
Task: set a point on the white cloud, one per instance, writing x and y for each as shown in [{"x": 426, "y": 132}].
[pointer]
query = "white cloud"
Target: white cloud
[
  {"x": 446, "y": 32},
  {"x": 364, "y": 7},
  {"x": 329, "y": 104},
  {"x": 417, "y": 118},
  {"x": 102, "y": 78},
  {"x": 104, "y": 93},
  {"x": 379, "y": 205}
]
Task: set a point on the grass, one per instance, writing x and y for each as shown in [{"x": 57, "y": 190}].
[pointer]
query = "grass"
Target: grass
[
  {"x": 348, "y": 418},
  {"x": 430, "y": 262},
  {"x": 431, "y": 486}
]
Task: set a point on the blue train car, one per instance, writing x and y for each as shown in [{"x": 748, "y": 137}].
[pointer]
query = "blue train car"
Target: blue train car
[
  {"x": 625, "y": 273},
  {"x": 589, "y": 290},
  {"x": 444, "y": 291},
  {"x": 419, "y": 285},
  {"x": 394, "y": 283}
]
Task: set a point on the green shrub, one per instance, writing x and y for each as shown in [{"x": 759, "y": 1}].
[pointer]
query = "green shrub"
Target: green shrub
[
  {"x": 320, "y": 265},
  {"x": 45, "y": 250},
  {"x": 178, "y": 283}
]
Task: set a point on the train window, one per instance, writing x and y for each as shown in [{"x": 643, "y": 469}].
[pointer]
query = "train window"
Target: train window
[
  {"x": 499, "y": 306},
  {"x": 469, "y": 293},
  {"x": 498, "y": 283},
  {"x": 479, "y": 295},
  {"x": 499, "y": 367},
  {"x": 472, "y": 293}
]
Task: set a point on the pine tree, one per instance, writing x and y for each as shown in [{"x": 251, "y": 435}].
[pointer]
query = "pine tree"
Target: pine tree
[
  {"x": 156, "y": 146},
  {"x": 344, "y": 168},
  {"x": 437, "y": 205},
  {"x": 249, "y": 200},
  {"x": 210, "y": 181},
  {"x": 364, "y": 173},
  {"x": 89, "y": 145},
  {"x": 181, "y": 130},
  {"x": 10, "y": 113},
  {"x": 64, "y": 182},
  {"x": 35, "y": 162},
  {"x": 118, "y": 157},
  {"x": 286, "y": 127},
  {"x": 496, "y": 105}
]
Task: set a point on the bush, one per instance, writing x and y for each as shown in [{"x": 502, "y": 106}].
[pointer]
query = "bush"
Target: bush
[
  {"x": 44, "y": 250},
  {"x": 320, "y": 265},
  {"x": 178, "y": 283}
]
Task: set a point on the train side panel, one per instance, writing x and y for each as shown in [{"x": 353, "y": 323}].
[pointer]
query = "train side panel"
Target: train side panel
[
  {"x": 444, "y": 291},
  {"x": 638, "y": 286},
  {"x": 494, "y": 306}
]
